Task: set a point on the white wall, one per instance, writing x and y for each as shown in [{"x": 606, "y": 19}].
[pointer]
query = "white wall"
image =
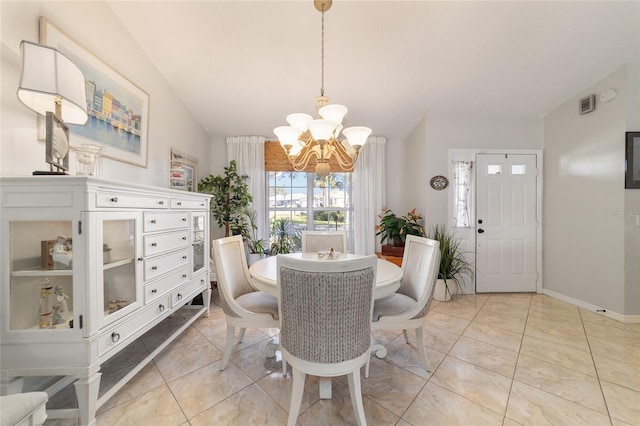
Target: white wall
[
  {"x": 586, "y": 208},
  {"x": 96, "y": 27}
]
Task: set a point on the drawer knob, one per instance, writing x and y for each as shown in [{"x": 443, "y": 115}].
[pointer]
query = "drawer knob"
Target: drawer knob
[
  {"x": 161, "y": 308},
  {"x": 114, "y": 199},
  {"x": 153, "y": 221},
  {"x": 184, "y": 238},
  {"x": 179, "y": 203},
  {"x": 154, "y": 244},
  {"x": 201, "y": 281},
  {"x": 184, "y": 257},
  {"x": 115, "y": 337},
  {"x": 184, "y": 219},
  {"x": 201, "y": 204},
  {"x": 154, "y": 290},
  {"x": 179, "y": 296},
  {"x": 184, "y": 275},
  {"x": 161, "y": 202},
  {"x": 153, "y": 268},
  {"x": 140, "y": 259}
]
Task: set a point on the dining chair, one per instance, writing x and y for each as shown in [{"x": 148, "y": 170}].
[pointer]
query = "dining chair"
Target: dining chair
[
  {"x": 407, "y": 307},
  {"x": 315, "y": 241},
  {"x": 325, "y": 322},
  {"x": 242, "y": 304}
]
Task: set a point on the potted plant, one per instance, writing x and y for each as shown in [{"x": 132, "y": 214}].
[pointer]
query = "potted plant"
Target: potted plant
[
  {"x": 255, "y": 246},
  {"x": 106, "y": 254},
  {"x": 394, "y": 230},
  {"x": 284, "y": 238},
  {"x": 453, "y": 264},
  {"x": 230, "y": 199}
]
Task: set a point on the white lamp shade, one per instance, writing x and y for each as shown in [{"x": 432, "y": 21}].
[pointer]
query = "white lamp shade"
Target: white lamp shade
[
  {"x": 322, "y": 129},
  {"x": 356, "y": 136},
  {"x": 299, "y": 121},
  {"x": 287, "y": 135},
  {"x": 333, "y": 112},
  {"x": 47, "y": 74}
]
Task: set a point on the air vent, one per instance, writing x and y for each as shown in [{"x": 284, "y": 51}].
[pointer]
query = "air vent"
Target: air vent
[{"x": 587, "y": 104}]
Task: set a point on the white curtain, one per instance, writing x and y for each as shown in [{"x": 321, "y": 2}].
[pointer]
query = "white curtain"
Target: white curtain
[
  {"x": 368, "y": 194},
  {"x": 248, "y": 151},
  {"x": 462, "y": 211}
]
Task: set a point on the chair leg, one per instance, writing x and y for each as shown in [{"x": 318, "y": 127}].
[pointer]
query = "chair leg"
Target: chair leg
[
  {"x": 241, "y": 338},
  {"x": 406, "y": 335},
  {"x": 231, "y": 331},
  {"x": 296, "y": 395},
  {"x": 284, "y": 365},
  {"x": 355, "y": 392},
  {"x": 421, "y": 352}
]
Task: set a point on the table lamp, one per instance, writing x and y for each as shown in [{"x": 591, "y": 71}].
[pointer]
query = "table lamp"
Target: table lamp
[{"x": 48, "y": 78}]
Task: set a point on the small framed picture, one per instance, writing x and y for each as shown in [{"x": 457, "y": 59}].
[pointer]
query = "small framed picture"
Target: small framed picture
[{"x": 632, "y": 170}]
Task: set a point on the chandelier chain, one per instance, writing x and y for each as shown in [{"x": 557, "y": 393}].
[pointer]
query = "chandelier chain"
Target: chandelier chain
[{"x": 322, "y": 55}]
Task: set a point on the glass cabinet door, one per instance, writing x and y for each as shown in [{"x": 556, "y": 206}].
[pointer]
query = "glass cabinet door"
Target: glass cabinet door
[
  {"x": 120, "y": 277},
  {"x": 41, "y": 275},
  {"x": 198, "y": 242}
]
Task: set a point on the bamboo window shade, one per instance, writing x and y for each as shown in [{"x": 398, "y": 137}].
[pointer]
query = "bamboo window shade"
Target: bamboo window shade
[{"x": 275, "y": 160}]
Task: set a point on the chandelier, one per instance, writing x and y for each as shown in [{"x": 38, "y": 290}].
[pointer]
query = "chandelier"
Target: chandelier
[{"x": 306, "y": 138}]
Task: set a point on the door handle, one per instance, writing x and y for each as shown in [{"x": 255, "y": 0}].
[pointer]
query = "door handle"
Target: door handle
[{"x": 480, "y": 231}]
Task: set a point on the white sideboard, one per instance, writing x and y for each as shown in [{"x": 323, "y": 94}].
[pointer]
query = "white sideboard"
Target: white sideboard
[{"x": 87, "y": 267}]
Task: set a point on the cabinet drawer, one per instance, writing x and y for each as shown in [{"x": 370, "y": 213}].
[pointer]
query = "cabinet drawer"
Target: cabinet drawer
[
  {"x": 119, "y": 200},
  {"x": 164, "y": 221},
  {"x": 160, "y": 243},
  {"x": 119, "y": 334},
  {"x": 181, "y": 295},
  {"x": 161, "y": 264},
  {"x": 162, "y": 286},
  {"x": 182, "y": 203}
]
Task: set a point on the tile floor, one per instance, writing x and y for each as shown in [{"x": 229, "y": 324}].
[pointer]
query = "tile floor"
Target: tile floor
[{"x": 500, "y": 359}]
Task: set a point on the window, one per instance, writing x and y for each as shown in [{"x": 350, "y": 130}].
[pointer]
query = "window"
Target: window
[
  {"x": 462, "y": 176},
  {"x": 311, "y": 202}
]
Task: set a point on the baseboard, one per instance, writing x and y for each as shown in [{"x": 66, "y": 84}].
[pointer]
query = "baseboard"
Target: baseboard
[{"x": 634, "y": 319}]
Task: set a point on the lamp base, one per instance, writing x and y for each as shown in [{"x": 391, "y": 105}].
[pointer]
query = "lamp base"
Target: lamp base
[{"x": 48, "y": 173}]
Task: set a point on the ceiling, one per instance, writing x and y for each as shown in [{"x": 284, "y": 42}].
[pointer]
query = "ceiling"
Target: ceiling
[{"x": 241, "y": 66}]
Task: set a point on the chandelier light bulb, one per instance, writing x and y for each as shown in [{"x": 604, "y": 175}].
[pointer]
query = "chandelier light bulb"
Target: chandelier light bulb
[
  {"x": 356, "y": 136},
  {"x": 299, "y": 121},
  {"x": 288, "y": 136},
  {"x": 333, "y": 112},
  {"x": 322, "y": 129}
]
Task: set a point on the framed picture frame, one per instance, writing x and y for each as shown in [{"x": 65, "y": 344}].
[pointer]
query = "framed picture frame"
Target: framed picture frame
[
  {"x": 183, "y": 171},
  {"x": 118, "y": 109},
  {"x": 632, "y": 169}
]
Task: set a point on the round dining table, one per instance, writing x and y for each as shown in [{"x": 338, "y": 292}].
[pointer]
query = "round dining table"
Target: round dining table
[{"x": 264, "y": 274}]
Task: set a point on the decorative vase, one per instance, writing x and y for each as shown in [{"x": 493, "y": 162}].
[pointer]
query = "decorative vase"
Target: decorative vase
[
  {"x": 440, "y": 292},
  {"x": 397, "y": 242}
]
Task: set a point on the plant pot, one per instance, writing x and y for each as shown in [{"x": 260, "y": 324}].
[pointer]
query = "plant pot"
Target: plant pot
[
  {"x": 440, "y": 292},
  {"x": 106, "y": 257},
  {"x": 253, "y": 258}
]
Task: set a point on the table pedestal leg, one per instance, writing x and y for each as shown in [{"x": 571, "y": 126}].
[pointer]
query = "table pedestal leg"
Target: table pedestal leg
[{"x": 325, "y": 388}]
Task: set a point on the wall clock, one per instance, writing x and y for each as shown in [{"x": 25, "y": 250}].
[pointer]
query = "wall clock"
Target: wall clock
[{"x": 439, "y": 182}]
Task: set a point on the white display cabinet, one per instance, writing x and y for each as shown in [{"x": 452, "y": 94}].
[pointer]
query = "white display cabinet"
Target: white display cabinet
[{"x": 88, "y": 266}]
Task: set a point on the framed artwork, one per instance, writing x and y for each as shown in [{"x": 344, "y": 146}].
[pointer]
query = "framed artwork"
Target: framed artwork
[
  {"x": 118, "y": 109},
  {"x": 632, "y": 170},
  {"x": 183, "y": 171}
]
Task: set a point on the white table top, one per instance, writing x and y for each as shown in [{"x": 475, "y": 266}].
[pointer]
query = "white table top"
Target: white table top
[{"x": 264, "y": 273}]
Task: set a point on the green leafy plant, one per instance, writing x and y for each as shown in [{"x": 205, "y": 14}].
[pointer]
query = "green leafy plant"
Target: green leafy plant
[
  {"x": 230, "y": 199},
  {"x": 255, "y": 244},
  {"x": 284, "y": 237},
  {"x": 453, "y": 264},
  {"x": 105, "y": 247},
  {"x": 394, "y": 229}
]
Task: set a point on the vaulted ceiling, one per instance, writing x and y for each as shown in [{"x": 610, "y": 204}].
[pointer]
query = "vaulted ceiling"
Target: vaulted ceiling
[{"x": 242, "y": 66}]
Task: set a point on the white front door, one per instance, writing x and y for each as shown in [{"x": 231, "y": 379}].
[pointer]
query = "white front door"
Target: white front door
[{"x": 506, "y": 223}]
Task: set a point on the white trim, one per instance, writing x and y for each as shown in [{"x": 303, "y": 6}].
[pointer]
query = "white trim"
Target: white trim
[
  {"x": 469, "y": 154},
  {"x": 633, "y": 319}
]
